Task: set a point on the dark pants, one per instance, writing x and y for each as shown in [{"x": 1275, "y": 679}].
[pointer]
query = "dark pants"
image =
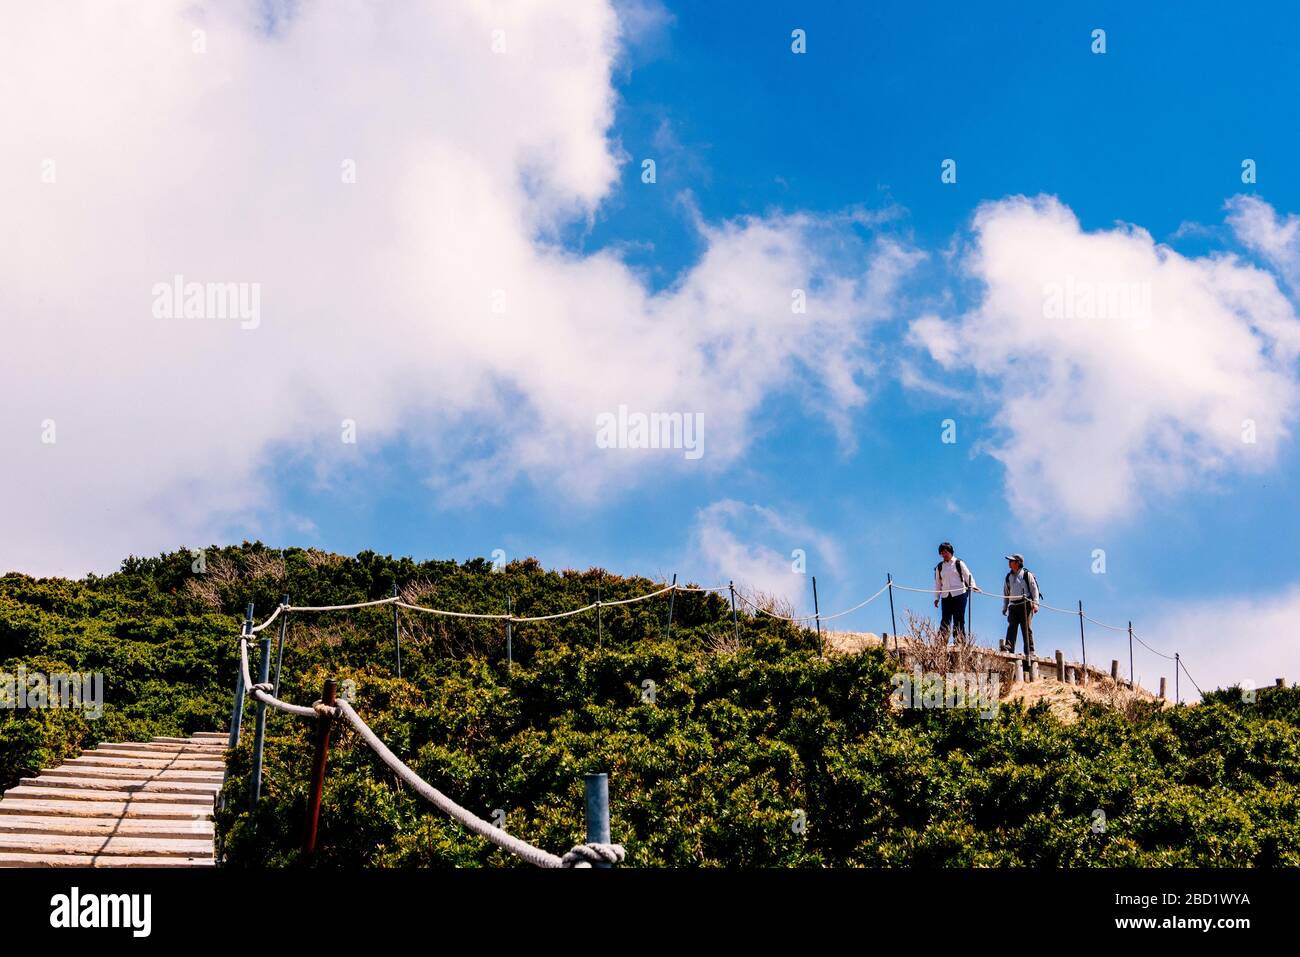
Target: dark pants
[
  {"x": 1019, "y": 616},
  {"x": 953, "y": 611}
]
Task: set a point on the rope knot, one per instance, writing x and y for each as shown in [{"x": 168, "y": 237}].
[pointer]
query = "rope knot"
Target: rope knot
[
  {"x": 265, "y": 686},
  {"x": 585, "y": 855},
  {"x": 324, "y": 710}
]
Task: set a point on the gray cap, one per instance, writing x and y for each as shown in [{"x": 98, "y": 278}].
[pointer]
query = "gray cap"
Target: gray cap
[{"x": 1016, "y": 557}]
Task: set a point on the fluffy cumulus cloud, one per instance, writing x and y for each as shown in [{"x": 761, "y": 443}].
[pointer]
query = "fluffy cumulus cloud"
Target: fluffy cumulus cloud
[
  {"x": 394, "y": 178},
  {"x": 1211, "y": 635},
  {"x": 1275, "y": 239},
  {"x": 768, "y": 553},
  {"x": 1117, "y": 368}
]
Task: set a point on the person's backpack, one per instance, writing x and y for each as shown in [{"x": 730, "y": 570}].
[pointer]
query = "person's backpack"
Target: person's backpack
[
  {"x": 962, "y": 571},
  {"x": 1029, "y": 576}
]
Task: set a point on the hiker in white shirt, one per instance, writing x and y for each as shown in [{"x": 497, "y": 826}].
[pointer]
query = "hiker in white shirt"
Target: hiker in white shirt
[
  {"x": 953, "y": 584},
  {"x": 1019, "y": 603}
]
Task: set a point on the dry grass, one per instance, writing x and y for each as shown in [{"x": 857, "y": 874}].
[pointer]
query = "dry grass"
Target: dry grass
[{"x": 723, "y": 643}]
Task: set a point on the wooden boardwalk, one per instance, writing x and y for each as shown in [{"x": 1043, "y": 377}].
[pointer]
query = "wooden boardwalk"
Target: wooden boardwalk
[{"x": 143, "y": 804}]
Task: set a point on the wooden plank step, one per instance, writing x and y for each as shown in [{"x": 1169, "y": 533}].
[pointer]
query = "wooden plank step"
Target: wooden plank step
[
  {"x": 26, "y": 859},
  {"x": 82, "y": 807},
  {"x": 146, "y": 748},
  {"x": 137, "y": 749},
  {"x": 133, "y": 846},
  {"x": 137, "y": 774},
  {"x": 100, "y": 759},
  {"x": 45, "y": 792},
  {"x": 104, "y": 827},
  {"x": 216, "y": 735},
  {"x": 118, "y": 784}
]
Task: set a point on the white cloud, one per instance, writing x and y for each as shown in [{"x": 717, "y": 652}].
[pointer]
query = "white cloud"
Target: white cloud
[
  {"x": 376, "y": 296},
  {"x": 1277, "y": 241},
  {"x": 755, "y": 546},
  {"x": 1117, "y": 367},
  {"x": 1226, "y": 640}
]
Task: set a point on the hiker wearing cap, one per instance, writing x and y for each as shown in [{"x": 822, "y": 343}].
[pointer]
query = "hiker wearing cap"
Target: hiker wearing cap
[
  {"x": 953, "y": 583},
  {"x": 1019, "y": 603}
]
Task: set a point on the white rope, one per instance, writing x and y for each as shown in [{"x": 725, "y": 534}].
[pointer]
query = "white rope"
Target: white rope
[
  {"x": 360, "y": 604},
  {"x": 861, "y": 604},
  {"x": 450, "y": 614},
  {"x": 260, "y": 692},
  {"x": 578, "y": 857},
  {"x": 628, "y": 601},
  {"x": 278, "y": 609}
]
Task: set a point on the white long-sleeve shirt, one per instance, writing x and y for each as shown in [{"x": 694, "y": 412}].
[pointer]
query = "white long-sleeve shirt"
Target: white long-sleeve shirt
[{"x": 948, "y": 579}]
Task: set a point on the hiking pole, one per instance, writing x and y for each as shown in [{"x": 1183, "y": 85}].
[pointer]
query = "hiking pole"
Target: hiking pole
[
  {"x": 817, "y": 612},
  {"x": 893, "y": 622}
]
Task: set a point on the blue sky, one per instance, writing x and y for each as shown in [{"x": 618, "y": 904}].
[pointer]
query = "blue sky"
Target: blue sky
[
  {"x": 1149, "y": 135},
  {"x": 1152, "y": 132}
]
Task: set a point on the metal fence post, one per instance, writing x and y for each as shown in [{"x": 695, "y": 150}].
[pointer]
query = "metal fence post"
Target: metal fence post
[
  {"x": 1130, "y": 655},
  {"x": 893, "y": 622},
  {"x": 510, "y": 635},
  {"x": 817, "y": 614},
  {"x": 323, "y": 725},
  {"x": 596, "y": 787},
  {"x": 1178, "y": 666},
  {"x": 237, "y": 715},
  {"x": 259, "y": 734},
  {"x": 1083, "y": 645},
  {"x": 735, "y": 622},
  {"x": 600, "y": 637},
  {"x": 672, "y": 596},
  {"x": 397, "y": 631},
  {"x": 279, "y": 655}
]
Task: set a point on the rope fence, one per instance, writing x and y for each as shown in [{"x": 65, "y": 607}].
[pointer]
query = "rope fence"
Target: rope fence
[{"x": 598, "y": 850}]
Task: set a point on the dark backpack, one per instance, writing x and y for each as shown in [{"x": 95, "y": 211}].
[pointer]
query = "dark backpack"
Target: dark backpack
[{"x": 1029, "y": 576}]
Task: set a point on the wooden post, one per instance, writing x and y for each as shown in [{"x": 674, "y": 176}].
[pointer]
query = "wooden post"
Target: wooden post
[
  {"x": 1033, "y": 669},
  {"x": 1280, "y": 682},
  {"x": 323, "y": 725},
  {"x": 1114, "y": 670},
  {"x": 1162, "y": 688},
  {"x": 1071, "y": 674},
  {"x": 1060, "y": 665},
  {"x": 1018, "y": 671}
]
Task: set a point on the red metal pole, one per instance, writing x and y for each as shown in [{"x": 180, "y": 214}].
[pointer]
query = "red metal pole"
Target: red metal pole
[{"x": 323, "y": 725}]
